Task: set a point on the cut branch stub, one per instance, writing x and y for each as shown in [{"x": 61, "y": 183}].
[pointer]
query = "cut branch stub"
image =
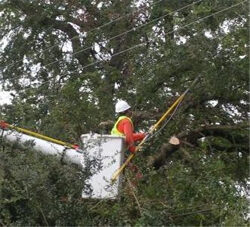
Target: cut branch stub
[{"x": 174, "y": 140}]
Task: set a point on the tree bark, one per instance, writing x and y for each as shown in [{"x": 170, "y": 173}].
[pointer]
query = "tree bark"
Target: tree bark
[{"x": 191, "y": 137}]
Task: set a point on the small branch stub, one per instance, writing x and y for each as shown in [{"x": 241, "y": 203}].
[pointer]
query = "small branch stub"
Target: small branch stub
[{"x": 174, "y": 140}]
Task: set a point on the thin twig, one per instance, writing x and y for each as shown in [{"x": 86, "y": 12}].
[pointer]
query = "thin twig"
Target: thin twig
[
  {"x": 136, "y": 199},
  {"x": 97, "y": 204},
  {"x": 45, "y": 220},
  {"x": 195, "y": 212}
]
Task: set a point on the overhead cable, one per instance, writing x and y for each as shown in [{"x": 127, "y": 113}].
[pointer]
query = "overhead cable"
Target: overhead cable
[
  {"x": 167, "y": 33},
  {"x": 121, "y": 34},
  {"x": 91, "y": 30},
  {"x": 172, "y": 31},
  {"x": 128, "y": 31},
  {"x": 175, "y": 109}
]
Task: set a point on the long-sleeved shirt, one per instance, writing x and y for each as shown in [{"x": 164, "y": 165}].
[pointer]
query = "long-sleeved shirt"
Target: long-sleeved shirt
[{"x": 125, "y": 126}]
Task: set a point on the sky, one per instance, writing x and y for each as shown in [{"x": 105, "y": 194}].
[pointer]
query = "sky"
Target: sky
[{"x": 5, "y": 97}]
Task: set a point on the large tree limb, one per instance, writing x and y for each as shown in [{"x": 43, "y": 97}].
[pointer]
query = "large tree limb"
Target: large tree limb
[{"x": 191, "y": 137}]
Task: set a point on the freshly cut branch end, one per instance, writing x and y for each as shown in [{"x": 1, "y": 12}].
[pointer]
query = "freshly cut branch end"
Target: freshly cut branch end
[{"x": 174, "y": 140}]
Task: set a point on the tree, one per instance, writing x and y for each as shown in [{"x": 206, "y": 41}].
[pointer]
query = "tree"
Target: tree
[{"x": 68, "y": 61}]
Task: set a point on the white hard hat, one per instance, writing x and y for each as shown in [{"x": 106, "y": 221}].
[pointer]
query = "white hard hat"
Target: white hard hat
[{"x": 121, "y": 106}]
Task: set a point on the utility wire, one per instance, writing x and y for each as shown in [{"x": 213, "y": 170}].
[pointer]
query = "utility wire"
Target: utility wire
[
  {"x": 94, "y": 29},
  {"x": 167, "y": 121},
  {"x": 174, "y": 111},
  {"x": 121, "y": 34},
  {"x": 172, "y": 31},
  {"x": 106, "y": 24},
  {"x": 128, "y": 31},
  {"x": 176, "y": 108}
]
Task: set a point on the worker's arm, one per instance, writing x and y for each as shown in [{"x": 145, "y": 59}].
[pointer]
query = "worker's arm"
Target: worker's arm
[
  {"x": 138, "y": 136},
  {"x": 130, "y": 136},
  {"x": 126, "y": 127}
]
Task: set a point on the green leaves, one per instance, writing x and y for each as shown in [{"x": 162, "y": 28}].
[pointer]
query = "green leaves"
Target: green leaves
[
  {"x": 37, "y": 189},
  {"x": 49, "y": 63}
]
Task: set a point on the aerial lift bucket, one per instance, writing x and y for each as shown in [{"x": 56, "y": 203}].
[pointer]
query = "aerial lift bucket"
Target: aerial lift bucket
[{"x": 101, "y": 154}]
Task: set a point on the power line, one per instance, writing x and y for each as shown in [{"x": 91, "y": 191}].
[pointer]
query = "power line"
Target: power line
[
  {"x": 130, "y": 30},
  {"x": 124, "y": 33},
  {"x": 97, "y": 28},
  {"x": 175, "y": 109},
  {"x": 172, "y": 31},
  {"x": 104, "y": 25}
]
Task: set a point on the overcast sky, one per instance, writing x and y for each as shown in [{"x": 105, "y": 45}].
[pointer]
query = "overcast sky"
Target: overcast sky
[{"x": 4, "y": 97}]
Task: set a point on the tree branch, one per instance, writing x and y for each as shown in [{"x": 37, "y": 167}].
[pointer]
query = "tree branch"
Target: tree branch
[{"x": 191, "y": 137}]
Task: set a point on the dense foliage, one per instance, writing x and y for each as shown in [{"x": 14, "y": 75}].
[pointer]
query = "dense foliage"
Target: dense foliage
[{"x": 67, "y": 62}]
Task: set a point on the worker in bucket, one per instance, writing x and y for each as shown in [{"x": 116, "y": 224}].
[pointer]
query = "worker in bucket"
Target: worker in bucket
[{"x": 124, "y": 125}]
